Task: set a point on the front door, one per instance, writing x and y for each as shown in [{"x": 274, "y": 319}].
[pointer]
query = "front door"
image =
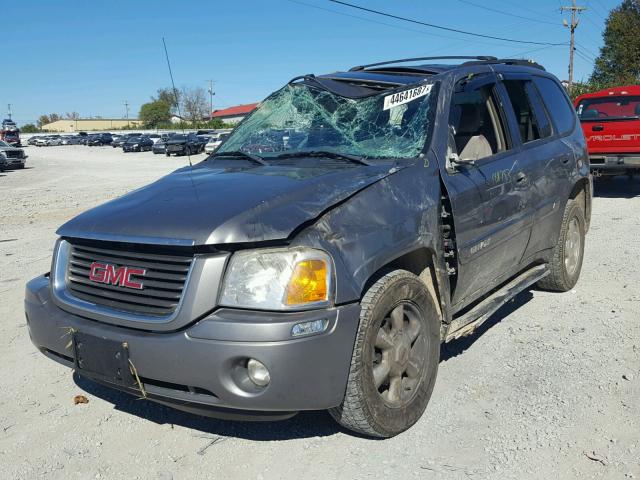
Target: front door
[{"x": 487, "y": 189}]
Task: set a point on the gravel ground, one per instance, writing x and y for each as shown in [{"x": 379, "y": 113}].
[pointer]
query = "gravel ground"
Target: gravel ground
[{"x": 549, "y": 388}]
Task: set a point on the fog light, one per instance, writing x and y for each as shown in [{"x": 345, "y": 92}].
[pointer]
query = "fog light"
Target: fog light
[
  {"x": 308, "y": 328},
  {"x": 258, "y": 373}
]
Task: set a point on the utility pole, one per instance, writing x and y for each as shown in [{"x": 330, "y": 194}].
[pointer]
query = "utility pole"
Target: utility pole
[
  {"x": 126, "y": 106},
  {"x": 9, "y": 110},
  {"x": 575, "y": 10},
  {"x": 211, "y": 94}
]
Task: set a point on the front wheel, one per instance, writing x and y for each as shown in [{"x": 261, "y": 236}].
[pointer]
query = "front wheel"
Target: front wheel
[
  {"x": 566, "y": 261},
  {"x": 395, "y": 358}
]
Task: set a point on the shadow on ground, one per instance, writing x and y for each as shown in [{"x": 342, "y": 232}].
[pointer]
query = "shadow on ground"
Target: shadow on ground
[
  {"x": 459, "y": 346},
  {"x": 303, "y": 425},
  {"x": 616, "y": 187}
]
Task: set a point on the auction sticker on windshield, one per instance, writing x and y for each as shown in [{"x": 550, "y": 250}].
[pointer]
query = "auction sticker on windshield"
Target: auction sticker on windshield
[{"x": 406, "y": 96}]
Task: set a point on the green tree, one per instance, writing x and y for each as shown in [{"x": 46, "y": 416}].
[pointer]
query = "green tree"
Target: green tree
[
  {"x": 169, "y": 96},
  {"x": 29, "y": 128},
  {"x": 155, "y": 113},
  {"x": 43, "y": 120},
  {"x": 619, "y": 60}
]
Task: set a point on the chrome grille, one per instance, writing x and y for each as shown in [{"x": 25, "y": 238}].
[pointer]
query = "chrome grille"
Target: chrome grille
[
  {"x": 13, "y": 153},
  {"x": 163, "y": 281}
]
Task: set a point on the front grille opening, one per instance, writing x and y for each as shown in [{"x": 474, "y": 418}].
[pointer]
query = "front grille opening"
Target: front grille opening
[
  {"x": 177, "y": 387},
  {"x": 597, "y": 161},
  {"x": 163, "y": 281}
]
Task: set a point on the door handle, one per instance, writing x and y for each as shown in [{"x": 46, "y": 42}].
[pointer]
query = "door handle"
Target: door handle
[
  {"x": 597, "y": 128},
  {"x": 521, "y": 177}
]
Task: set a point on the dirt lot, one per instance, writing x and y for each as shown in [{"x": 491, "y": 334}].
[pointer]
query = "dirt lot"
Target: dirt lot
[{"x": 549, "y": 388}]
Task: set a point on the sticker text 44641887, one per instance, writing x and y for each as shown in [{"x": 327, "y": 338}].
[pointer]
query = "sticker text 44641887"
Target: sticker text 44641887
[{"x": 406, "y": 96}]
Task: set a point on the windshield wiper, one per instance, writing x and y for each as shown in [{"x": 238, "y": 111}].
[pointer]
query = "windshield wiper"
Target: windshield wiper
[
  {"x": 327, "y": 154},
  {"x": 240, "y": 154}
]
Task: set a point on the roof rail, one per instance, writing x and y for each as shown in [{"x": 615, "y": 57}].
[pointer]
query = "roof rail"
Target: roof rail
[
  {"x": 507, "y": 61},
  {"x": 405, "y": 60}
]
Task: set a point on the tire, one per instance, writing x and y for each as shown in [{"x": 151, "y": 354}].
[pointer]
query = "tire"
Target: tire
[
  {"x": 398, "y": 338},
  {"x": 566, "y": 260}
]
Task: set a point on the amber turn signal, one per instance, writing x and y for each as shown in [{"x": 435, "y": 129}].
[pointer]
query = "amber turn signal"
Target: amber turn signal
[{"x": 309, "y": 283}]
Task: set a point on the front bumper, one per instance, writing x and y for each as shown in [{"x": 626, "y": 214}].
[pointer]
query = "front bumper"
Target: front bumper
[
  {"x": 15, "y": 162},
  {"x": 200, "y": 368}
]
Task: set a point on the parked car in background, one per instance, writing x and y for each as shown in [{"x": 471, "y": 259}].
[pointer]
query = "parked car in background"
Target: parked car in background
[
  {"x": 119, "y": 140},
  {"x": 13, "y": 157},
  {"x": 49, "y": 141},
  {"x": 138, "y": 144},
  {"x": 100, "y": 139},
  {"x": 183, "y": 144},
  {"x": 12, "y": 138},
  {"x": 215, "y": 142},
  {"x": 155, "y": 137},
  {"x": 77, "y": 140},
  {"x": 611, "y": 124},
  {"x": 160, "y": 147},
  {"x": 32, "y": 140},
  {"x": 202, "y": 141}
]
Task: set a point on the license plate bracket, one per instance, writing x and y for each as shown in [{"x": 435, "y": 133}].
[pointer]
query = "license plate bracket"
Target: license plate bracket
[{"x": 103, "y": 359}]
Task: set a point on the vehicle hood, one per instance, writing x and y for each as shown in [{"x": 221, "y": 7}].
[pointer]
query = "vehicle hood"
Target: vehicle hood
[
  {"x": 9, "y": 149},
  {"x": 223, "y": 202},
  {"x": 176, "y": 142}
]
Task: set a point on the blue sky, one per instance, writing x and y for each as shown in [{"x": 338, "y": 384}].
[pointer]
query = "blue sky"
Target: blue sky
[{"x": 90, "y": 57}]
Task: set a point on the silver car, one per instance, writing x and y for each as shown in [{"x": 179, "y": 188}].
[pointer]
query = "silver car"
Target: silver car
[
  {"x": 215, "y": 141},
  {"x": 11, "y": 157}
]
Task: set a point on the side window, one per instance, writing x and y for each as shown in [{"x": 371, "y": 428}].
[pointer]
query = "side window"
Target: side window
[
  {"x": 532, "y": 127},
  {"x": 476, "y": 124},
  {"x": 557, "y": 103}
]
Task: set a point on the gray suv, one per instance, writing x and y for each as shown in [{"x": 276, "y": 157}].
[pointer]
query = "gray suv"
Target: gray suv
[{"x": 318, "y": 260}]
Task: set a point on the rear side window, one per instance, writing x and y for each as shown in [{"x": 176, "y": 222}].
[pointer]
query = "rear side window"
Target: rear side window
[
  {"x": 557, "y": 103},
  {"x": 533, "y": 125}
]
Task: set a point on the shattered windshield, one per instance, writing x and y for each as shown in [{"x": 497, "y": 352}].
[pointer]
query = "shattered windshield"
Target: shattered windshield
[{"x": 301, "y": 118}]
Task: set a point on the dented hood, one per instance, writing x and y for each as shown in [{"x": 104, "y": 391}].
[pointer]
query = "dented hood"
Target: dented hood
[{"x": 215, "y": 203}]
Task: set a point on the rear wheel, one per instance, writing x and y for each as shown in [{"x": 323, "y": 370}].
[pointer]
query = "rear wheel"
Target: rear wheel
[
  {"x": 566, "y": 261},
  {"x": 395, "y": 358}
]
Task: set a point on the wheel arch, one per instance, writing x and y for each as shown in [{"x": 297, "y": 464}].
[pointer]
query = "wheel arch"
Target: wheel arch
[
  {"x": 581, "y": 192},
  {"x": 422, "y": 262}
]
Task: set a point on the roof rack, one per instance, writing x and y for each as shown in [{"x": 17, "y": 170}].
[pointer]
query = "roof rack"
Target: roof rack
[
  {"x": 480, "y": 60},
  {"x": 405, "y": 60},
  {"x": 507, "y": 61}
]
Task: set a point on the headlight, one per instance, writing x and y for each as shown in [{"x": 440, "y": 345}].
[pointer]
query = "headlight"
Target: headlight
[
  {"x": 279, "y": 279},
  {"x": 135, "y": 145}
]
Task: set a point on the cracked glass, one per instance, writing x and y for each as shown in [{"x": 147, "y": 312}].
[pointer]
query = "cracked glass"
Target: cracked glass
[{"x": 302, "y": 117}]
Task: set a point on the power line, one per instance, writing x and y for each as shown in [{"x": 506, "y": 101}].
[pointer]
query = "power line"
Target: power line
[
  {"x": 502, "y": 12},
  {"x": 440, "y": 27},
  {"x": 519, "y": 6},
  {"x": 398, "y": 27}
]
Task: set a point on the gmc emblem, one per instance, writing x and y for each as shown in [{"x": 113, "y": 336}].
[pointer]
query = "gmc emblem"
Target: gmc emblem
[{"x": 112, "y": 275}]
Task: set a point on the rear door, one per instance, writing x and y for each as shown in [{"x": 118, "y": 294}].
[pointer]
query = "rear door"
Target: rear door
[
  {"x": 544, "y": 159},
  {"x": 487, "y": 195}
]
